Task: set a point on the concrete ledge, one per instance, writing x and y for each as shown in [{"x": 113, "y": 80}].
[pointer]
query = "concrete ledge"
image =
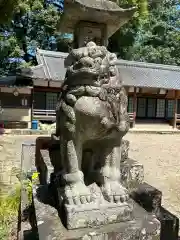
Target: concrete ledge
[
  {"x": 132, "y": 174},
  {"x": 155, "y": 131},
  {"x": 26, "y": 132},
  {"x": 50, "y": 226},
  {"x": 46, "y": 132}
]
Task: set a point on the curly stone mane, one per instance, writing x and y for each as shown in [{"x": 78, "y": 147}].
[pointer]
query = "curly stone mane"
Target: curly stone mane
[
  {"x": 89, "y": 70},
  {"x": 91, "y": 115}
]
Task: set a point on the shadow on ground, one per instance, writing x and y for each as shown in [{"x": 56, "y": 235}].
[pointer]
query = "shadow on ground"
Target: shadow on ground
[{"x": 30, "y": 235}]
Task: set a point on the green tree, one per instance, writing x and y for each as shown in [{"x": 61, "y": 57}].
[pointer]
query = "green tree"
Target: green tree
[
  {"x": 142, "y": 6},
  {"x": 123, "y": 39},
  {"x": 9, "y": 50},
  {"x": 33, "y": 25},
  {"x": 155, "y": 38},
  {"x": 7, "y": 8},
  {"x": 158, "y": 37}
]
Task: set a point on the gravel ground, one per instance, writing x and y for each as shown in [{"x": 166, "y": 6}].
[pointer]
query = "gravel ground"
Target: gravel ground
[{"x": 159, "y": 154}]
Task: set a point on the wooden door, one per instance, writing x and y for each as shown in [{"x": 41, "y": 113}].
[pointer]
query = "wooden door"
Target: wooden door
[
  {"x": 151, "y": 108},
  {"x": 141, "y": 107},
  {"x": 160, "y": 108}
]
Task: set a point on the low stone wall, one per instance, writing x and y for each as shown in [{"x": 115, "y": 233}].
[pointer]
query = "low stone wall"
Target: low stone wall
[
  {"x": 26, "y": 132},
  {"x": 10, "y": 159},
  {"x": 49, "y": 132}
]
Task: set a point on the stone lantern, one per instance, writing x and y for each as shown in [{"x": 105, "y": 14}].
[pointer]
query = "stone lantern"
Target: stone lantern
[{"x": 94, "y": 20}]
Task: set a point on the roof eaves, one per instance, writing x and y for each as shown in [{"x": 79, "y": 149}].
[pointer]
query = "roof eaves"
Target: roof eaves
[
  {"x": 148, "y": 86},
  {"x": 41, "y": 52},
  {"x": 147, "y": 65},
  {"x": 47, "y": 79}
]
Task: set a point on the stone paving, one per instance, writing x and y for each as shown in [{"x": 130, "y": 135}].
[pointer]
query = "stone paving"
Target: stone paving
[{"x": 159, "y": 154}]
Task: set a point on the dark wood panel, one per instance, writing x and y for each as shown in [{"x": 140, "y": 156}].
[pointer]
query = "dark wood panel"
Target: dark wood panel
[
  {"x": 39, "y": 100},
  {"x": 8, "y": 100},
  {"x": 47, "y": 89}
]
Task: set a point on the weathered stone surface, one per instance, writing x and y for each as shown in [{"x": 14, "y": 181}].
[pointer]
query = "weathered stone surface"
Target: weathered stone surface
[
  {"x": 132, "y": 174},
  {"x": 106, "y": 12},
  {"x": 124, "y": 150},
  {"x": 144, "y": 226},
  {"x": 91, "y": 116},
  {"x": 169, "y": 225},
  {"x": 148, "y": 197},
  {"x": 97, "y": 213}
]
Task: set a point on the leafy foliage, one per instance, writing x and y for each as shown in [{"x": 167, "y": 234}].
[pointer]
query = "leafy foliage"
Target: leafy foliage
[
  {"x": 33, "y": 25},
  {"x": 154, "y": 38},
  {"x": 9, "y": 204},
  {"x": 142, "y": 6},
  {"x": 153, "y": 35},
  {"x": 9, "y": 51},
  {"x": 6, "y": 9}
]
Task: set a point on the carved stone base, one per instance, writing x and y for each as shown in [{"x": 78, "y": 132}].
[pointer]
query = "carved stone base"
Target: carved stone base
[
  {"x": 132, "y": 174},
  {"x": 143, "y": 226},
  {"x": 148, "y": 197},
  {"x": 94, "y": 217},
  {"x": 97, "y": 213}
]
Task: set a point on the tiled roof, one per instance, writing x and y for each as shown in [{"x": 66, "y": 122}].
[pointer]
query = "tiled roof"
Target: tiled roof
[
  {"x": 51, "y": 67},
  {"x": 149, "y": 75}
]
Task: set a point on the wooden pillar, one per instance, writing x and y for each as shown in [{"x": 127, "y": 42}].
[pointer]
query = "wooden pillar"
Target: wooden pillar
[
  {"x": 32, "y": 105},
  {"x": 175, "y": 107},
  {"x": 135, "y": 105}
]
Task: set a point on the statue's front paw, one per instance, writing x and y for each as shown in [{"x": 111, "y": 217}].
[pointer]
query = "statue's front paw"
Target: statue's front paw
[
  {"x": 113, "y": 191},
  {"x": 77, "y": 194}
]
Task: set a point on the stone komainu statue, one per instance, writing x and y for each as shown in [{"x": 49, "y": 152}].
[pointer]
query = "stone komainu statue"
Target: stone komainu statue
[{"x": 91, "y": 115}]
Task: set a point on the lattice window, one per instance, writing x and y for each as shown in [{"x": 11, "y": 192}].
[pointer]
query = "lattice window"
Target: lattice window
[
  {"x": 151, "y": 108},
  {"x": 160, "y": 112},
  {"x": 51, "y": 100},
  {"x": 130, "y": 105},
  {"x": 141, "y": 110},
  {"x": 170, "y": 108}
]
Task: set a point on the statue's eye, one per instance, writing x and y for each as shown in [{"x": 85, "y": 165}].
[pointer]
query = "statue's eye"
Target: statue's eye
[{"x": 109, "y": 90}]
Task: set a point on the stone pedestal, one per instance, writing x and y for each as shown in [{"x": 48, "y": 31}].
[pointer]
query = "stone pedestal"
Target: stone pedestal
[
  {"x": 148, "y": 197},
  {"x": 169, "y": 225},
  {"x": 144, "y": 225},
  {"x": 98, "y": 213},
  {"x": 132, "y": 174}
]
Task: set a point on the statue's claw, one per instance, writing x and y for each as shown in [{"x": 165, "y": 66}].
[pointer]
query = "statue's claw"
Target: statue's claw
[
  {"x": 77, "y": 194},
  {"x": 113, "y": 191}
]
